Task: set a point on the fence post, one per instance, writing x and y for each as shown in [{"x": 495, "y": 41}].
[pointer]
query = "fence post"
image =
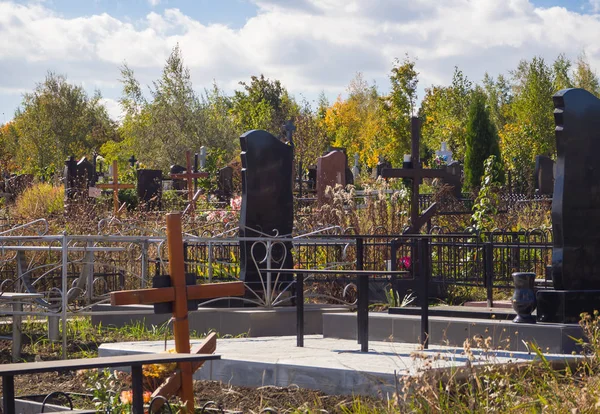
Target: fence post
[
  {"x": 300, "y": 309},
  {"x": 362, "y": 317},
  {"x": 488, "y": 263},
  {"x": 393, "y": 268},
  {"x": 424, "y": 269},
  {"x": 144, "y": 264}
]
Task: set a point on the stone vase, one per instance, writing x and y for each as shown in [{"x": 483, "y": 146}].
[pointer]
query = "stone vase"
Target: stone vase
[{"x": 523, "y": 300}]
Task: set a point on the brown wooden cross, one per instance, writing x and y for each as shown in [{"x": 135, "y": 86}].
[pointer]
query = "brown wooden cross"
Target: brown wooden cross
[
  {"x": 115, "y": 186},
  {"x": 179, "y": 294},
  {"x": 415, "y": 173},
  {"x": 189, "y": 175}
]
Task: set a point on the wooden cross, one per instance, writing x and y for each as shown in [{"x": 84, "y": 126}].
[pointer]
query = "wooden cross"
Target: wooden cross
[
  {"x": 189, "y": 176},
  {"x": 115, "y": 186},
  {"x": 415, "y": 173},
  {"x": 178, "y": 294}
]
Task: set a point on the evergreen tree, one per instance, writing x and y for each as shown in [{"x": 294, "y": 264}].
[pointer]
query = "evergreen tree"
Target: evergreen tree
[{"x": 481, "y": 141}]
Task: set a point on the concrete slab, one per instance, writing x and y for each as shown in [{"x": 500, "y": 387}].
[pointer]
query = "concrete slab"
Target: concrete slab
[
  {"x": 334, "y": 366},
  {"x": 550, "y": 337},
  {"x": 253, "y": 322}
]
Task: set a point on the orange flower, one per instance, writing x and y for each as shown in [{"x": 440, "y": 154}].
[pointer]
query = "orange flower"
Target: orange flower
[
  {"x": 126, "y": 397},
  {"x": 147, "y": 397}
]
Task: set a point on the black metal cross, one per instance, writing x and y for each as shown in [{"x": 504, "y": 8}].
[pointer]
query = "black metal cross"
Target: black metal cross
[
  {"x": 132, "y": 161},
  {"x": 289, "y": 128}
]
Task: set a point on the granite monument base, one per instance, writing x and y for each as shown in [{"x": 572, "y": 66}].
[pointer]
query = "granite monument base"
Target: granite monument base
[{"x": 566, "y": 306}]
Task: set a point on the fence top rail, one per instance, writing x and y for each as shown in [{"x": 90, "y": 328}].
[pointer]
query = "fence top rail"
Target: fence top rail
[{"x": 346, "y": 272}]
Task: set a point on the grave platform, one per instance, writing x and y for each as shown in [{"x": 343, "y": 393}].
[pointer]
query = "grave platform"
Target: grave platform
[
  {"x": 453, "y": 330},
  {"x": 334, "y": 366},
  {"x": 252, "y": 322},
  {"x": 474, "y": 311}
]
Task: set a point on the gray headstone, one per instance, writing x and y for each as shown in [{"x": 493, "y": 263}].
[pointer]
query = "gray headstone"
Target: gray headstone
[
  {"x": 267, "y": 202},
  {"x": 225, "y": 183}
]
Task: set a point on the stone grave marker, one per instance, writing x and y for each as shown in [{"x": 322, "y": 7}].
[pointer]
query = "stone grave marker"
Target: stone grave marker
[
  {"x": 331, "y": 170},
  {"x": 444, "y": 153},
  {"x": 381, "y": 164},
  {"x": 224, "y": 183},
  {"x": 575, "y": 210},
  {"x": 177, "y": 183},
  {"x": 267, "y": 203},
  {"x": 544, "y": 175},
  {"x": 149, "y": 188},
  {"x": 356, "y": 166}
]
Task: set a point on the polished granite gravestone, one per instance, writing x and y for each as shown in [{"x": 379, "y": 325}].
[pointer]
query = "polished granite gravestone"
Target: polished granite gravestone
[
  {"x": 224, "y": 183},
  {"x": 331, "y": 170},
  {"x": 178, "y": 184},
  {"x": 544, "y": 175},
  {"x": 149, "y": 188},
  {"x": 267, "y": 205},
  {"x": 575, "y": 210}
]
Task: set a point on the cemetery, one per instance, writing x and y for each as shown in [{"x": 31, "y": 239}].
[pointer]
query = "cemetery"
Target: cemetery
[{"x": 308, "y": 279}]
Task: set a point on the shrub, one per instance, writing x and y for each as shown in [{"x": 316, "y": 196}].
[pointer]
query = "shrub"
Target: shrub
[{"x": 39, "y": 200}]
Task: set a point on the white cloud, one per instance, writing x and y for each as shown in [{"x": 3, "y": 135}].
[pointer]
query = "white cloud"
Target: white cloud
[
  {"x": 310, "y": 45},
  {"x": 154, "y": 3},
  {"x": 113, "y": 108}
]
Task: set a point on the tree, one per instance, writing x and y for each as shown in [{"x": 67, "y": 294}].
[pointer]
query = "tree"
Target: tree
[
  {"x": 445, "y": 110},
  {"x": 498, "y": 100},
  {"x": 481, "y": 141},
  {"x": 310, "y": 138},
  {"x": 585, "y": 77},
  {"x": 398, "y": 108},
  {"x": 263, "y": 104},
  {"x": 562, "y": 73},
  {"x": 58, "y": 120}
]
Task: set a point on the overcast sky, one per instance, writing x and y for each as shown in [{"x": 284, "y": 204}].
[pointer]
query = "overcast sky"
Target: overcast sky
[{"x": 310, "y": 45}]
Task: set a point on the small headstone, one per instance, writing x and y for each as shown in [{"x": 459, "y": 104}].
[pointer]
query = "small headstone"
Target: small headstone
[
  {"x": 178, "y": 184},
  {"x": 444, "y": 153},
  {"x": 454, "y": 178},
  {"x": 267, "y": 204},
  {"x": 202, "y": 158},
  {"x": 312, "y": 177},
  {"x": 225, "y": 183},
  {"x": 149, "y": 188},
  {"x": 544, "y": 175},
  {"x": 381, "y": 164},
  {"x": 331, "y": 170}
]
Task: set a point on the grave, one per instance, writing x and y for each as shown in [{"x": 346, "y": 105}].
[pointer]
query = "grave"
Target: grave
[
  {"x": 267, "y": 207},
  {"x": 412, "y": 170},
  {"x": 444, "y": 154},
  {"x": 328, "y": 364},
  {"x": 575, "y": 210},
  {"x": 149, "y": 188},
  {"x": 544, "y": 175},
  {"x": 189, "y": 175},
  {"x": 224, "y": 184},
  {"x": 115, "y": 186},
  {"x": 331, "y": 171}
]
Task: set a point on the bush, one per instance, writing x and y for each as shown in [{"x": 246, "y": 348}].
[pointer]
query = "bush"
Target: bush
[{"x": 38, "y": 201}]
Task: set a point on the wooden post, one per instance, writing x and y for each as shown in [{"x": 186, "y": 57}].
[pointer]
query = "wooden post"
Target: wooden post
[
  {"x": 179, "y": 293},
  {"x": 181, "y": 329},
  {"x": 115, "y": 186}
]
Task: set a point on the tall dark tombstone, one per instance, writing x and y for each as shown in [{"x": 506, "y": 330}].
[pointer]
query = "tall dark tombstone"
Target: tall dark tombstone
[
  {"x": 267, "y": 204},
  {"x": 575, "y": 210},
  {"x": 149, "y": 188},
  {"x": 544, "y": 175},
  {"x": 225, "y": 183}
]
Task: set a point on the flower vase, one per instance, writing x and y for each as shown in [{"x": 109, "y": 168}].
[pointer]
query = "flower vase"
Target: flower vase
[{"x": 523, "y": 300}]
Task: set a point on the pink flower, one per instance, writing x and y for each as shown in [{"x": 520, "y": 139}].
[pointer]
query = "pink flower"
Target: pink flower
[
  {"x": 236, "y": 203},
  {"x": 406, "y": 262},
  {"x": 126, "y": 397}
]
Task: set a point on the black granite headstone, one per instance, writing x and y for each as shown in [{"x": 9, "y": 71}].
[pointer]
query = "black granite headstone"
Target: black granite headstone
[
  {"x": 575, "y": 210},
  {"x": 267, "y": 204},
  {"x": 312, "y": 177},
  {"x": 544, "y": 175},
  {"x": 149, "y": 188},
  {"x": 178, "y": 184},
  {"x": 225, "y": 183}
]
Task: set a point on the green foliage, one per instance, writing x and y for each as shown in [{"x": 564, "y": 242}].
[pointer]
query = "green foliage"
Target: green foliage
[
  {"x": 481, "y": 142},
  {"x": 585, "y": 77},
  {"x": 39, "y": 200},
  {"x": 445, "y": 111},
  {"x": 398, "y": 108},
  {"x": 263, "y": 104},
  {"x": 55, "y": 121},
  {"x": 485, "y": 207}
]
